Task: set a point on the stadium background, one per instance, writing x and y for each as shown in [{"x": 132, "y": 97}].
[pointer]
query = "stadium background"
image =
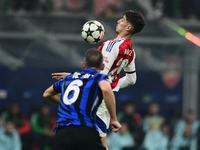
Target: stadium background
[{"x": 44, "y": 37}]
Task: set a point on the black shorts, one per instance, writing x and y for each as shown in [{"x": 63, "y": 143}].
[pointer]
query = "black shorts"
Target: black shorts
[{"x": 78, "y": 138}]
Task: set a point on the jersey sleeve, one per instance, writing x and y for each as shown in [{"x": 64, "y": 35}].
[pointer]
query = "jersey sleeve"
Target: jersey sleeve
[
  {"x": 130, "y": 77},
  {"x": 130, "y": 68},
  {"x": 106, "y": 77},
  {"x": 109, "y": 79},
  {"x": 57, "y": 86}
]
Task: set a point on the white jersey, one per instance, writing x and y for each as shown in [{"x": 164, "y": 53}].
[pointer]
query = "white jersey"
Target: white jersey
[{"x": 118, "y": 54}]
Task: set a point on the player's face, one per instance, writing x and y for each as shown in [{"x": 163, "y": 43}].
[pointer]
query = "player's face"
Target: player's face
[{"x": 121, "y": 25}]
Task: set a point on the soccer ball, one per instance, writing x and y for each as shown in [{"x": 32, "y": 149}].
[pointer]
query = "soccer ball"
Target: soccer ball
[{"x": 92, "y": 32}]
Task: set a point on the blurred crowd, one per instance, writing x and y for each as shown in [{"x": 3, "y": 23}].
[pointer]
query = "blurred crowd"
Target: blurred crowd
[
  {"x": 21, "y": 132},
  {"x": 152, "y": 9},
  {"x": 151, "y": 131}
]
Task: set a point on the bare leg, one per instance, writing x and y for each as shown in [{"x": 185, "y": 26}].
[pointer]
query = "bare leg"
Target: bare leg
[{"x": 103, "y": 139}]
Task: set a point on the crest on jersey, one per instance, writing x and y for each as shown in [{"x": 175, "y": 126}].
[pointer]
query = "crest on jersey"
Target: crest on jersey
[{"x": 172, "y": 72}]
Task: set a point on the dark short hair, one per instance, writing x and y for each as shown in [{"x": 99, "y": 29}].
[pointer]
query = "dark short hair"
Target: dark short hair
[
  {"x": 93, "y": 58},
  {"x": 136, "y": 19}
]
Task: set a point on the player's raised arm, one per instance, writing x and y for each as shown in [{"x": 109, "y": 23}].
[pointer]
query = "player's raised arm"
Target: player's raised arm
[
  {"x": 109, "y": 99},
  {"x": 51, "y": 95},
  {"x": 59, "y": 75}
]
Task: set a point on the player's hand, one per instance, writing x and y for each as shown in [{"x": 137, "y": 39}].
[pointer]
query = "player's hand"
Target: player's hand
[
  {"x": 60, "y": 75},
  {"x": 115, "y": 125}
]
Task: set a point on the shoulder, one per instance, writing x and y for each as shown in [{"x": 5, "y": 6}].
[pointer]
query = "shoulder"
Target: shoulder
[
  {"x": 114, "y": 42},
  {"x": 126, "y": 48},
  {"x": 105, "y": 82},
  {"x": 105, "y": 77},
  {"x": 126, "y": 44},
  {"x": 108, "y": 41},
  {"x": 112, "y": 46}
]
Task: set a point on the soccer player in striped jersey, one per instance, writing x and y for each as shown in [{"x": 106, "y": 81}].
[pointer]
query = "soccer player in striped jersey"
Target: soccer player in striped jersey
[
  {"x": 118, "y": 54},
  {"x": 81, "y": 94}
]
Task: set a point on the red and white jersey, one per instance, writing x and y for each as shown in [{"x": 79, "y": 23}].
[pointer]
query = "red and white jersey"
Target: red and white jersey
[{"x": 118, "y": 54}]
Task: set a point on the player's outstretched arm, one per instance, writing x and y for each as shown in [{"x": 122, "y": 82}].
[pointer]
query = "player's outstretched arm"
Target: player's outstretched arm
[
  {"x": 109, "y": 99},
  {"x": 59, "y": 75},
  {"x": 128, "y": 80},
  {"x": 51, "y": 95}
]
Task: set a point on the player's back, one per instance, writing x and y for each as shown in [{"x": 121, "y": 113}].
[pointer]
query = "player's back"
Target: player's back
[
  {"x": 117, "y": 53},
  {"x": 81, "y": 97}
]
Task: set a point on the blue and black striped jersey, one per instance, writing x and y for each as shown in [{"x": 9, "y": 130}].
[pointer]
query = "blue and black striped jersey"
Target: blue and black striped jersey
[{"x": 80, "y": 98}]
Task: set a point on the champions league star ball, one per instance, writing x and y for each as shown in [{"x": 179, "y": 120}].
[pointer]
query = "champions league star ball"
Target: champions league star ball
[{"x": 92, "y": 32}]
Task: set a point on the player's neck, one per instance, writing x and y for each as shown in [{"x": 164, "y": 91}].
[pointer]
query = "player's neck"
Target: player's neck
[
  {"x": 124, "y": 36},
  {"x": 98, "y": 70}
]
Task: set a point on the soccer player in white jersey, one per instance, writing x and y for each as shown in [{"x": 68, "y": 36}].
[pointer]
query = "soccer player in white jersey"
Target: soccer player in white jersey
[{"x": 118, "y": 54}]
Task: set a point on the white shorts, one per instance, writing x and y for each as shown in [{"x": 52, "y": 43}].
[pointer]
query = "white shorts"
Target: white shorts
[{"x": 103, "y": 119}]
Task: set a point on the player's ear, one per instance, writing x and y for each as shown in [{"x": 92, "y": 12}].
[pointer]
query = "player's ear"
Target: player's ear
[
  {"x": 129, "y": 28},
  {"x": 102, "y": 67},
  {"x": 83, "y": 65}
]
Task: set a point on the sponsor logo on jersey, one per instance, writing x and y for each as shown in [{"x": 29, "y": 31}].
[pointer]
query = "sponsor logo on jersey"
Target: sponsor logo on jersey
[{"x": 105, "y": 59}]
